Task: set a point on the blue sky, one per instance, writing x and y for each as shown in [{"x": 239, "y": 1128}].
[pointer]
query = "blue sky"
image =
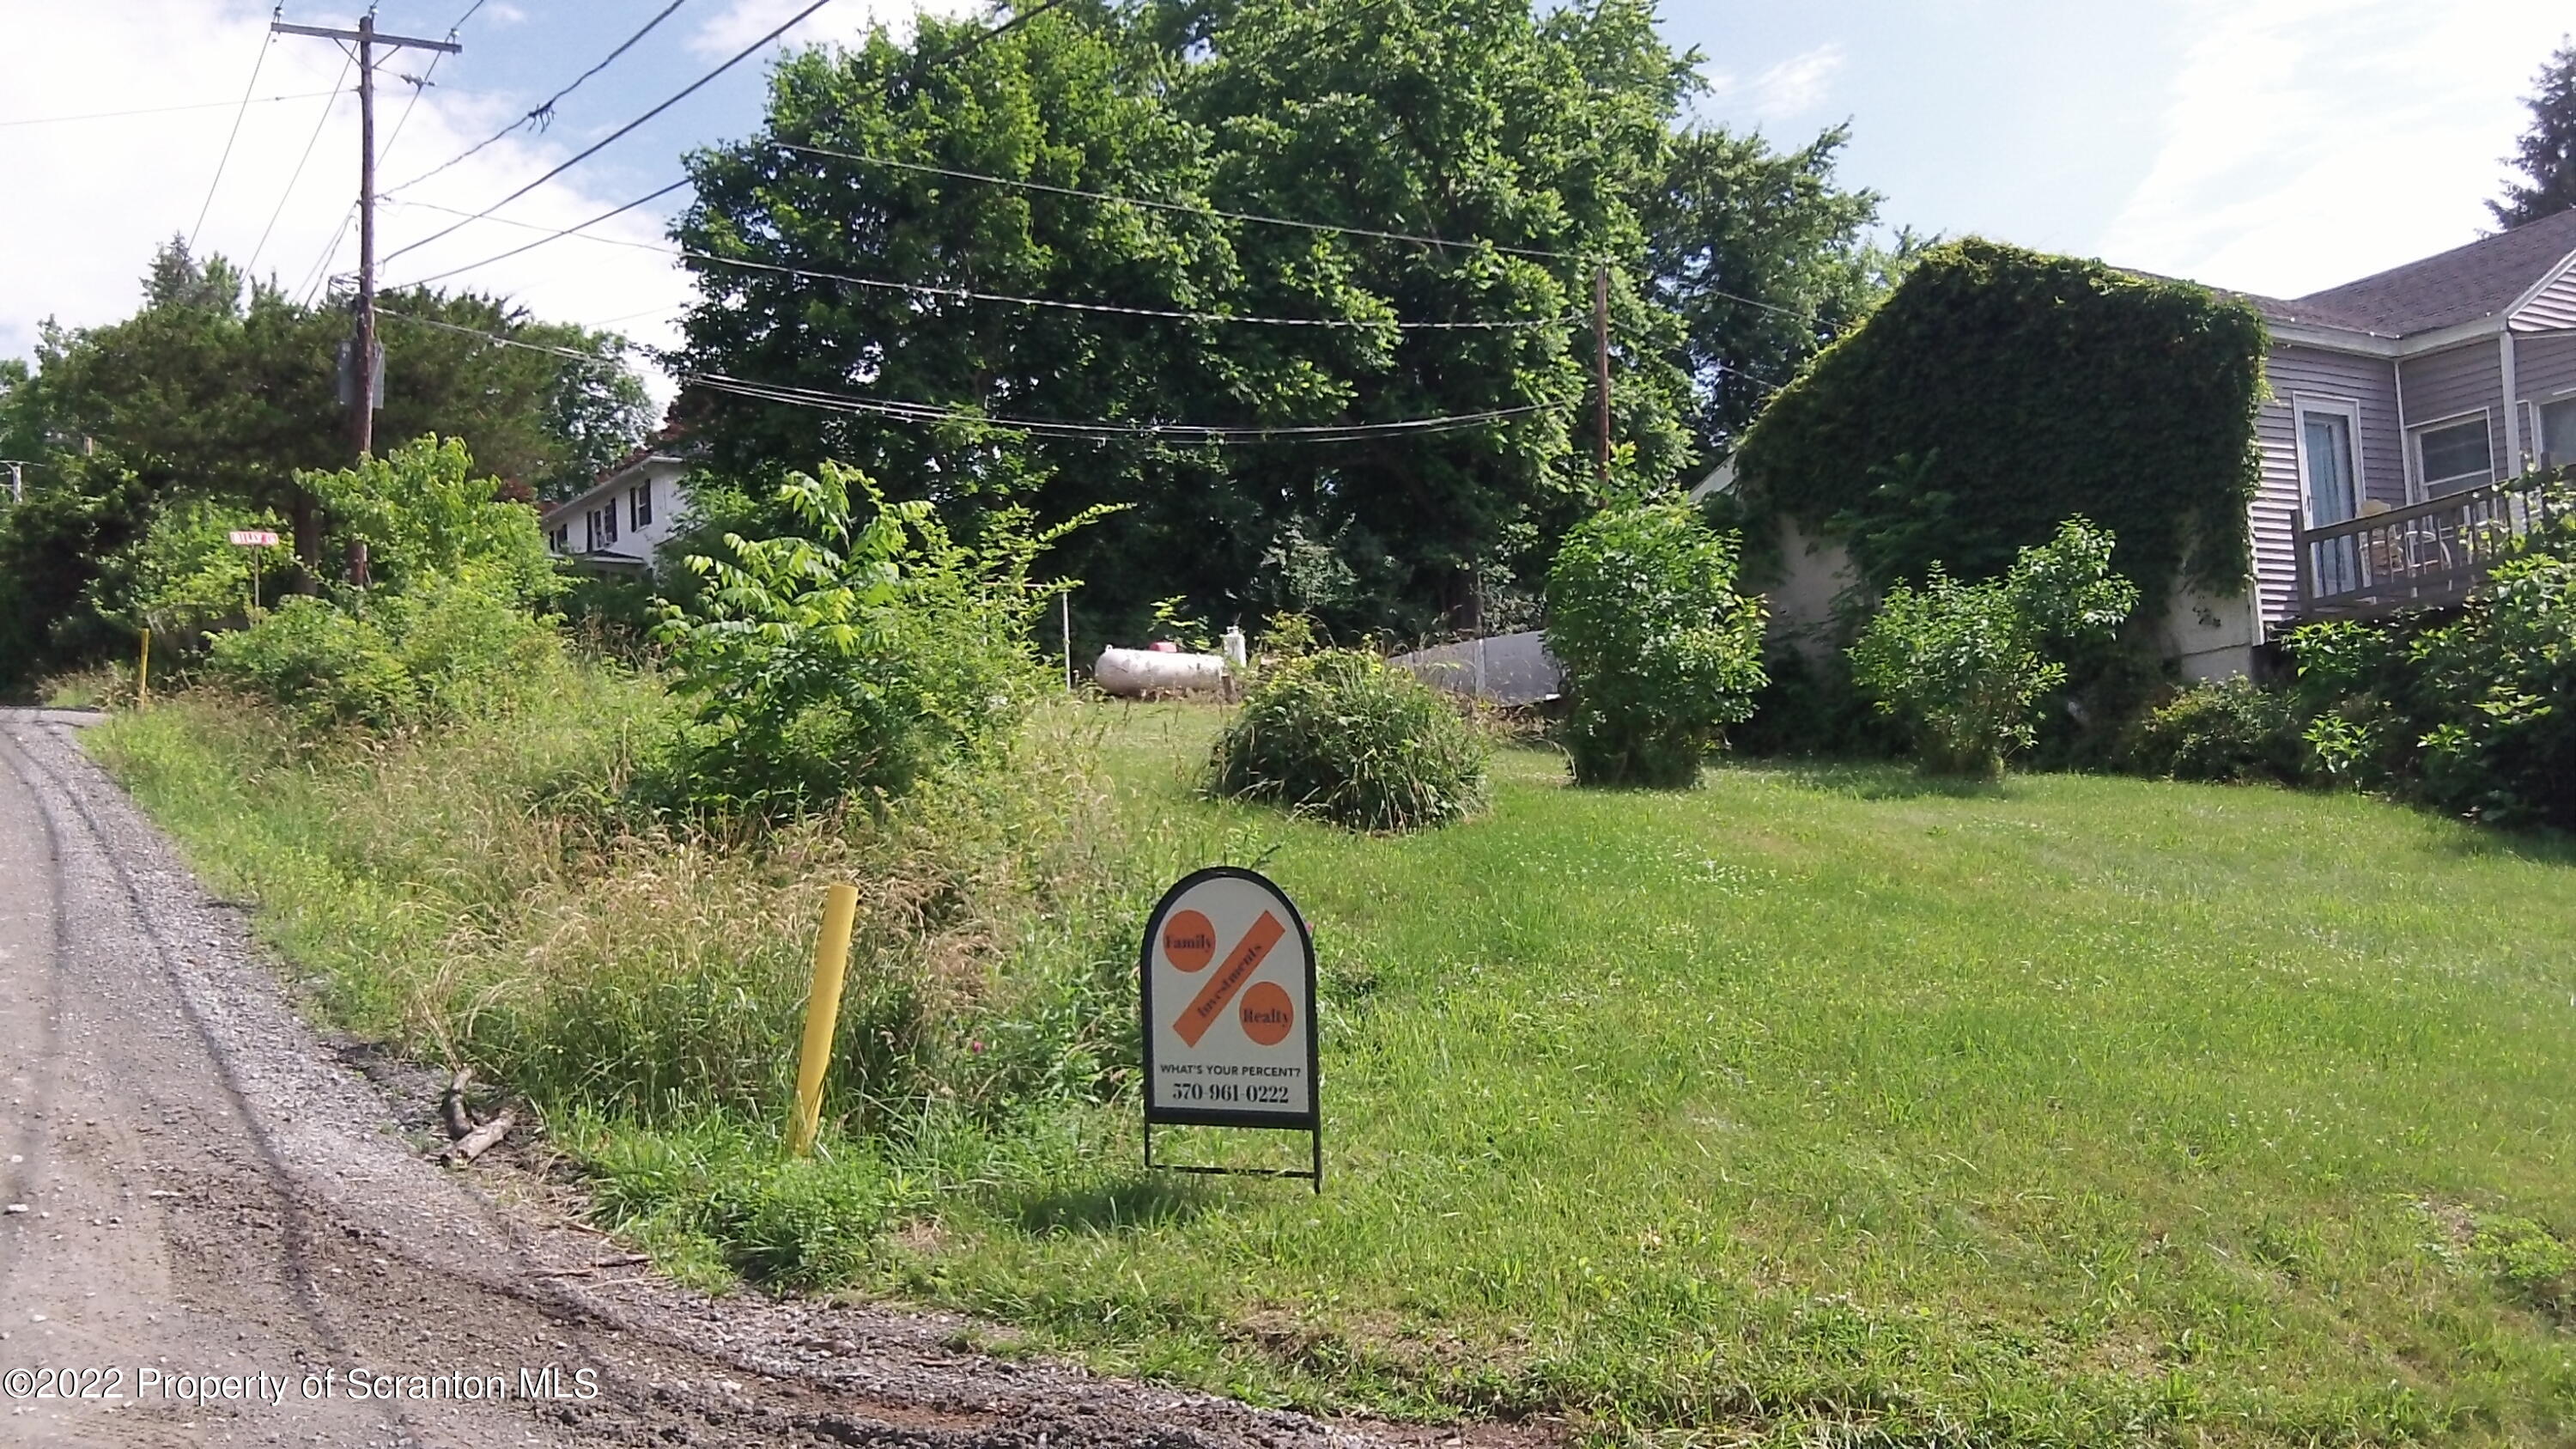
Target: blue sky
[{"x": 2272, "y": 145}]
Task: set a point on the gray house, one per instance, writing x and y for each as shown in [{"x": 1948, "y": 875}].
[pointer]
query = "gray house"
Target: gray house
[{"x": 2405, "y": 407}]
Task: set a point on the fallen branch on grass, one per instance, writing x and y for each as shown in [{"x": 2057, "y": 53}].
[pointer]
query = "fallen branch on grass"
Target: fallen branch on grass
[{"x": 479, "y": 1141}]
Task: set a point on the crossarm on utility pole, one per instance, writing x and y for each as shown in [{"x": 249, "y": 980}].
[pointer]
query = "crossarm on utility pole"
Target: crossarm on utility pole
[{"x": 378, "y": 36}]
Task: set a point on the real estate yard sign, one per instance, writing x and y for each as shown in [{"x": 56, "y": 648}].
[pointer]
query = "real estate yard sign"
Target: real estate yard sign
[{"x": 1227, "y": 972}]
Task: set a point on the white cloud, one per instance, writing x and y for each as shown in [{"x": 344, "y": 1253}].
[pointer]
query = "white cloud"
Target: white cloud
[
  {"x": 93, "y": 199},
  {"x": 1797, "y": 85},
  {"x": 504, "y": 13},
  {"x": 2312, "y": 142},
  {"x": 1783, "y": 91},
  {"x": 742, "y": 22}
]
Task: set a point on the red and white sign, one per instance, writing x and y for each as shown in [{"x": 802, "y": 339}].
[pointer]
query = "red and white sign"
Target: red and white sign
[
  {"x": 254, "y": 538},
  {"x": 1229, "y": 1003}
]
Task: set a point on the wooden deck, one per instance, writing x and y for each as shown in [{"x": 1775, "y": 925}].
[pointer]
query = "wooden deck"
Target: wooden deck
[{"x": 2422, "y": 556}]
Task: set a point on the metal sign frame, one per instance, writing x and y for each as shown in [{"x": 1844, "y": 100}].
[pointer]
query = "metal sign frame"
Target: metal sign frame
[{"x": 1311, "y": 1121}]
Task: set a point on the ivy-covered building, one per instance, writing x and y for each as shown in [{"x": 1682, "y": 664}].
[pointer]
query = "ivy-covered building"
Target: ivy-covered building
[{"x": 2261, "y": 460}]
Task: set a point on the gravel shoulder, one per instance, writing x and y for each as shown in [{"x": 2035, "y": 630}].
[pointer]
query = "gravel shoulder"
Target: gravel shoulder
[{"x": 199, "y": 1186}]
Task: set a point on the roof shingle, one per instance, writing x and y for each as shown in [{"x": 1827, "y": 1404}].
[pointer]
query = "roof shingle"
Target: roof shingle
[{"x": 2460, "y": 285}]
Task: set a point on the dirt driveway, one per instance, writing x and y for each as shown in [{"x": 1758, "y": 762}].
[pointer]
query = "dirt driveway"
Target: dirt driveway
[{"x": 211, "y": 1216}]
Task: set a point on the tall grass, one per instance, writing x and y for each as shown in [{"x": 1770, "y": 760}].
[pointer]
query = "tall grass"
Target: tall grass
[{"x": 487, "y": 896}]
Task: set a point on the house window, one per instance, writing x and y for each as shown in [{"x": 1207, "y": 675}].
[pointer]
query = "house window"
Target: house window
[
  {"x": 639, "y": 503},
  {"x": 2455, "y": 456},
  {"x": 561, "y": 539},
  {"x": 2555, "y": 436},
  {"x": 590, "y": 531},
  {"x": 608, "y": 523}
]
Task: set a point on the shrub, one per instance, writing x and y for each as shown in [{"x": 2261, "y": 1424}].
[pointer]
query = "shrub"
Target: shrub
[
  {"x": 1660, "y": 652},
  {"x": 424, "y": 516},
  {"x": 2474, "y": 714},
  {"x": 857, "y": 657},
  {"x": 450, "y": 651},
  {"x": 2229, "y": 731},
  {"x": 324, "y": 666},
  {"x": 1966, "y": 665},
  {"x": 1346, "y": 736}
]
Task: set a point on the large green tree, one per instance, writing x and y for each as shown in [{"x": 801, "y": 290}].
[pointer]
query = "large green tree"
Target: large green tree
[
  {"x": 2546, "y": 153},
  {"x": 1766, "y": 261},
  {"x": 1488, "y": 162},
  {"x": 217, "y": 391},
  {"x": 1065, "y": 101}
]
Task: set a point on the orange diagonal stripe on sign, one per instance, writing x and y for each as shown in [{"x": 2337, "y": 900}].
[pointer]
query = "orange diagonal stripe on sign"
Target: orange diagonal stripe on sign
[{"x": 1239, "y": 965}]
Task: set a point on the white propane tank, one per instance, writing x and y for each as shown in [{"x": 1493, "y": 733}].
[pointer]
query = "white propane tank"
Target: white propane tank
[{"x": 1142, "y": 673}]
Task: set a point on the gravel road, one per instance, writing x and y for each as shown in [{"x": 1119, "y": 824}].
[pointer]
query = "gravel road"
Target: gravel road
[{"x": 213, "y": 1214}]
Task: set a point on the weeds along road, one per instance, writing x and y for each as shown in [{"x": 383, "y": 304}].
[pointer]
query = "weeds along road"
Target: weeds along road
[{"x": 212, "y": 1216}]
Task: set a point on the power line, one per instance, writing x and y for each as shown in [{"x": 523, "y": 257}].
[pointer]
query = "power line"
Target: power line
[
  {"x": 321, "y": 269},
  {"x": 421, "y": 86},
  {"x": 925, "y": 289},
  {"x": 574, "y": 353},
  {"x": 323, "y": 120},
  {"x": 1189, "y": 432},
  {"x": 1180, "y": 206},
  {"x": 229, "y": 137},
  {"x": 604, "y": 142},
  {"x": 557, "y": 234},
  {"x": 165, "y": 110},
  {"x": 544, "y": 109},
  {"x": 907, "y": 411},
  {"x": 320, "y": 272}
]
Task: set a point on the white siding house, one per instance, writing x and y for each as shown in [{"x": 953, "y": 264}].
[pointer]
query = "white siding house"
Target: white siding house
[{"x": 616, "y": 523}]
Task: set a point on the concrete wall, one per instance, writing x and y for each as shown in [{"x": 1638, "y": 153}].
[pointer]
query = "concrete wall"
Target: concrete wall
[
  {"x": 1814, "y": 573},
  {"x": 2212, "y": 636}
]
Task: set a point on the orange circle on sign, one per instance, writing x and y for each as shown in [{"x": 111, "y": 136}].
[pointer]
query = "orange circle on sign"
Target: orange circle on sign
[
  {"x": 1266, "y": 1014},
  {"x": 1189, "y": 941}
]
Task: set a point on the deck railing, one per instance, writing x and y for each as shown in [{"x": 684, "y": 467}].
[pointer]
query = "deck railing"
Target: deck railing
[{"x": 2422, "y": 555}]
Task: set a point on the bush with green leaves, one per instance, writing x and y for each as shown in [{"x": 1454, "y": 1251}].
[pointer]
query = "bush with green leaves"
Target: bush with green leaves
[
  {"x": 2227, "y": 731},
  {"x": 445, "y": 631},
  {"x": 1660, "y": 652},
  {"x": 2473, "y": 713},
  {"x": 1345, "y": 736},
  {"x": 1966, "y": 666},
  {"x": 450, "y": 650},
  {"x": 424, "y": 516},
  {"x": 858, "y": 655}
]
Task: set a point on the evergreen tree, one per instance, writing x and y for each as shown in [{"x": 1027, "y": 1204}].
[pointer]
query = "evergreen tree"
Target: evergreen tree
[{"x": 2546, "y": 154}]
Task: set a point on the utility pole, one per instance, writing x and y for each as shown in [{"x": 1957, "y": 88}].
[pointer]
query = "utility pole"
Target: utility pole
[
  {"x": 1601, "y": 361},
  {"x": 363, "y": 398},
  {"x": 367, "y": 38}
]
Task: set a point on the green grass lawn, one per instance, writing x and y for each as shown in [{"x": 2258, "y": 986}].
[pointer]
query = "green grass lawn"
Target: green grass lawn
[
  {"x": 1821, "y": 1102},
  {"x": 1815, "y": 1105}
]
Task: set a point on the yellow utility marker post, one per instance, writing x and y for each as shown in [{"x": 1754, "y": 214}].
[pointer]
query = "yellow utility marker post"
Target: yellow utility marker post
[
  {"x": 143, "y": 673},
  {"x": 822, "y": 1014}
]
